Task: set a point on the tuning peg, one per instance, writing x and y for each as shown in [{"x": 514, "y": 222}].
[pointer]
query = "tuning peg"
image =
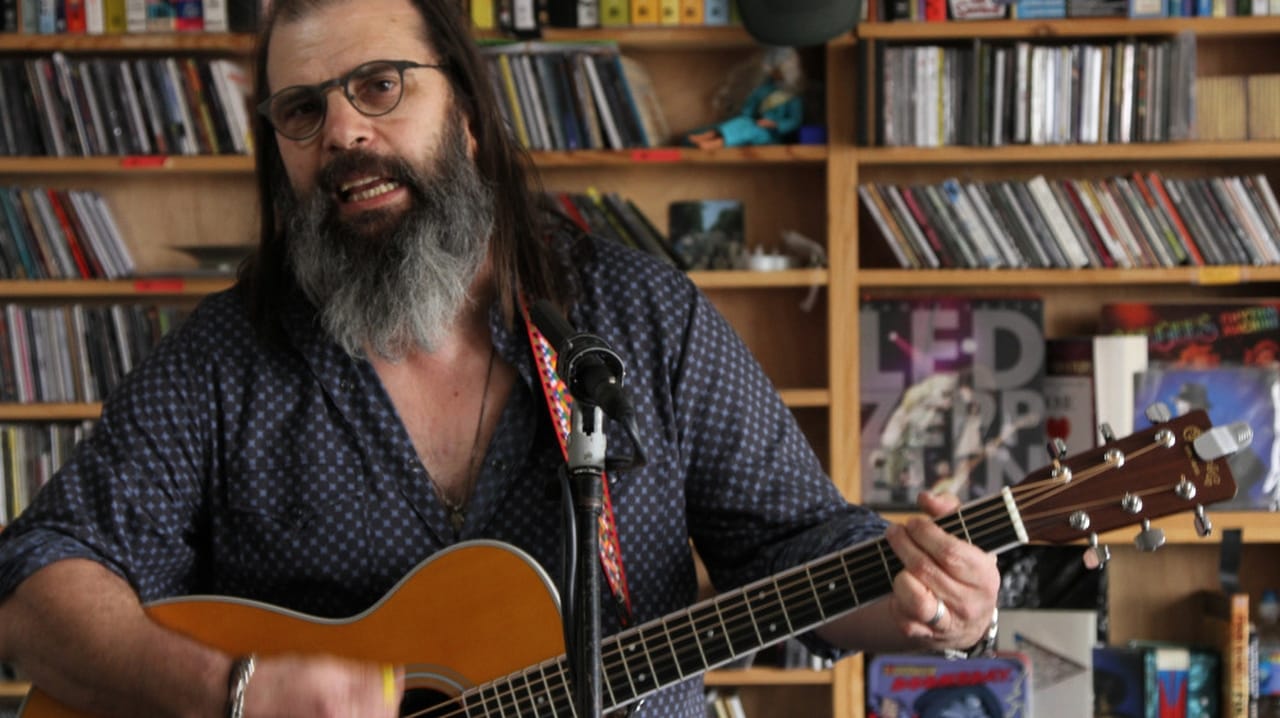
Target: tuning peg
[
  {"x": 1204, "y": 526},
  {"x": 1097, "y": 555},
  {"x": 1108, "y": 435},
  {"x": 1158, "y": 413},
  {"x": 1223, "y": 440},
  {"x": 1149, "y": 539},
  {"x": 1057, "y": 449}
]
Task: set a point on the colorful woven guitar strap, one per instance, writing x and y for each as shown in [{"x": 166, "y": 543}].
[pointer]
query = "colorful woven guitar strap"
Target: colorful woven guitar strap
[{"x": 559, "y": 402}]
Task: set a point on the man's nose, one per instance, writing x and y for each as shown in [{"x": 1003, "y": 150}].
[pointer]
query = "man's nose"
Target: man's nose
[{"x": 344, "y": 126}]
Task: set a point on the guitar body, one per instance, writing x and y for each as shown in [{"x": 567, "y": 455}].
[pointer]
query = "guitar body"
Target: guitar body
[{"x": 467, "y": 615}]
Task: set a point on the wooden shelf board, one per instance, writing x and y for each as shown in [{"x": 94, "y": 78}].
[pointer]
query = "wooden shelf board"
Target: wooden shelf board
[
  {"x": 198, "y": 286},
  {"x": 1256, "y": 527},
  {"x": 209, "y": 164},
  {"x": 665, "y": 156},
  {"x": 14, "y": 689},
  {"x": 107, "y": 288},
  {"x": 805, "y": 398},
  {"x": 646, "y": 38},
  {"x": 746, "y": 279},
  {"x": 49, "y": 412},
  {"x": 794, "y": 398},
  {"x": 1144, "y": 152},
  {"x": 1068, "y": 27},
  {"x": 143, "y": 42},
  {"x": 979, "y": 278},
  {"x": 768, "y": 677}
]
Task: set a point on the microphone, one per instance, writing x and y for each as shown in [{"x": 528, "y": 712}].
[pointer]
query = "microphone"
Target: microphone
[{"x": 592, "y": 371}]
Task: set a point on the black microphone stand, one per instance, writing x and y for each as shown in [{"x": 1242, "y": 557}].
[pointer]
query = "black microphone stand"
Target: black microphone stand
[{"x": 586, "y": 464}]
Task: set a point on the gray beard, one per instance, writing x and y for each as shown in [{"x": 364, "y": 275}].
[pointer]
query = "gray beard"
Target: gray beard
[{"x": 388, "y": 284}]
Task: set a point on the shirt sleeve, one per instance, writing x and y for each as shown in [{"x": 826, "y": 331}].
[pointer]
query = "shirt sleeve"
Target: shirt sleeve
[
  {"x": 130, "y": 495},
  {"x": 759, "y": 500}
]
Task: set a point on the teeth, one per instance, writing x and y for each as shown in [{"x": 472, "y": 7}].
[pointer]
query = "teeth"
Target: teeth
[
  {"x": 347, "y": 186},
  {"x": 373, "y": 191}
]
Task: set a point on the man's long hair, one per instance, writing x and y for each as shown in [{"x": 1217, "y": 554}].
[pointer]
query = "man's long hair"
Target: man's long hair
[{"x": 522, "y": 261}]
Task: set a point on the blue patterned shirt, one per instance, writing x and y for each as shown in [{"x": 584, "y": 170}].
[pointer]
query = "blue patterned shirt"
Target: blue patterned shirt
[{"x": 282, "y": 474}]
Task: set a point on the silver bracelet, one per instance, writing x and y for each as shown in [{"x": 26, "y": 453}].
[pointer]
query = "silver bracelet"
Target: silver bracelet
[
  {"x": 985, "y": 645},
  {"x": 241, "y": 672}
]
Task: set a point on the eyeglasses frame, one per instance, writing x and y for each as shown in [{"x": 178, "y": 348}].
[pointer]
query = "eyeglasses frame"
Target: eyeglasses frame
[{"x": 322, "y": 89}]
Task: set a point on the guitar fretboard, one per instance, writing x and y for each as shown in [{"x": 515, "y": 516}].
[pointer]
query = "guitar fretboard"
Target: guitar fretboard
[{"x": 712, "y": 633}]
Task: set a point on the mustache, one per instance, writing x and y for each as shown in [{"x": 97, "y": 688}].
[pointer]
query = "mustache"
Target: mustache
[{"x": 354, "y": 163}]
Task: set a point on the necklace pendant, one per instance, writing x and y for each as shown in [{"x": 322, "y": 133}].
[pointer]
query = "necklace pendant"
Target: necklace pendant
[{"x": 457, "y": 517}]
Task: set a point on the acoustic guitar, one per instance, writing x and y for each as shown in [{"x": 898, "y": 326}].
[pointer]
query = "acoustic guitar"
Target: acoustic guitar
[{"x": 479, "y": 631}]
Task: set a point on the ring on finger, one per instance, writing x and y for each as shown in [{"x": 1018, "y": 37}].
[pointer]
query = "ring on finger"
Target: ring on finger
[{"x": 938, "y": 615}]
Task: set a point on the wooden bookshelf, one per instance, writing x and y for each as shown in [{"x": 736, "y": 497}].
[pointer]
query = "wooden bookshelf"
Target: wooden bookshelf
[
  {"x": 1069, "y": 28},
  {"x": 165, "y": 201}
]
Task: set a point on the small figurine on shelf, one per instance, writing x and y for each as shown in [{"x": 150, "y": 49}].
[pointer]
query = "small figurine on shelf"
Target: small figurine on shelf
[{"x": 770, "y": 114}]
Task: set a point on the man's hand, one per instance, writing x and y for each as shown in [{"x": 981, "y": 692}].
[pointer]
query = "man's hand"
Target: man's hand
[
  {"x": 946, "y": 594},
  {"x": 322, "y": 687}
]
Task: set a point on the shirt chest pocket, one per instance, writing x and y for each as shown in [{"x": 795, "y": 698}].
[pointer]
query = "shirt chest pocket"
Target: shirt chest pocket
[{"x": 298, "y": 526}]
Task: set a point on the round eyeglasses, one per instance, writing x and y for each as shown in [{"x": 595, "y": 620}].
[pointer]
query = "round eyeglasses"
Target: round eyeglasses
[{"x": 374, "y": 89}]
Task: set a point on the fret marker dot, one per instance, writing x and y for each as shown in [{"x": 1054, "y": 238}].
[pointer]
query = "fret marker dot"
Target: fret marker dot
[{"x": 773, "y": 627}]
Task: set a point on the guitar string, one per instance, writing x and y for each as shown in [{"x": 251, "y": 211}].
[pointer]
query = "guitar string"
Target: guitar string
[
  {"x": 991, "y": 512},
  {"x": 500, "y": 696}
]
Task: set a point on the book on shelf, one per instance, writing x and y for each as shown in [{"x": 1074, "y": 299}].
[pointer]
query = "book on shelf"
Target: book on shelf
[
  {"x": 1187, "y": 678},
  {"x": 1229, "y": 394},
  {"x": 1199, "y": 334},
  {"x": 995, "y": 92},
  {"x": 1059, "y": 644},
  {"x": 1224, "y": 624},
  {"x": 1123, "y": 682},
  {"x": 1089, "y": 382},
  {"x": 929, "y": 685},
  {"x": 1140, "y": 220},
  {"x": 30, "y": 453},
  {"x": 951, "y": 392}
]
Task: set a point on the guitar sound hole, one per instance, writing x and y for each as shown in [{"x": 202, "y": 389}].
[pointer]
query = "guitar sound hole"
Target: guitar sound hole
[{"x": 427, "y": 703}]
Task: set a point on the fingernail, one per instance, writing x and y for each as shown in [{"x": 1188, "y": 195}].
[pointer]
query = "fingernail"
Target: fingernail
[{"x": 389, "y": 684}]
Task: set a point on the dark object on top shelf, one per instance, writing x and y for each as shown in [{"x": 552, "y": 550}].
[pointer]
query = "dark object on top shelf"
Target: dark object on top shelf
[{"x": 798, "y": 23}]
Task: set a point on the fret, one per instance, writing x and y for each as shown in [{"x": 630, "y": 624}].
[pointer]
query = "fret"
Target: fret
[
  {"x": 782, "y": 605},
  {"x": 853, "y": 585},
  {"x": 462, "y": 700},
  {"x": 713, "y": 639},
  {"x": 671, "y": 646},
  {"x": 740, "y": 624},
  {"x": 766, "y": 625},
  {"x": 561, "y": 680},
  {"x": 829, "y": 591},
  {"x": 626, "y": 647},
  {"x": 746, "y": 601},
  {"x": 606, "y": 695},
  {"x": 536, "y": 698},
  {"x": 883, "y": 560},
  {"x": 801, "y": 604},
  {"x": 665, "y": 668},
  {"x": 817, "y": 597},
  {"x": 964, "y": 527},
  {"x": 728, "y": 635},
  {"x": 695, "y": 662},
  {"x": 494, "y": 698},
  {"x": 646, "y": 681}
]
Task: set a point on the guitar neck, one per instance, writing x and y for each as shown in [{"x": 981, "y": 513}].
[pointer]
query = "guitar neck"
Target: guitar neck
[{"x": 644, "y": 659}]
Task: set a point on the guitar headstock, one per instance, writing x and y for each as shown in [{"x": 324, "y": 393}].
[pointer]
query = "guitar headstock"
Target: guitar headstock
[{"x": 1128, "y": 481}]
